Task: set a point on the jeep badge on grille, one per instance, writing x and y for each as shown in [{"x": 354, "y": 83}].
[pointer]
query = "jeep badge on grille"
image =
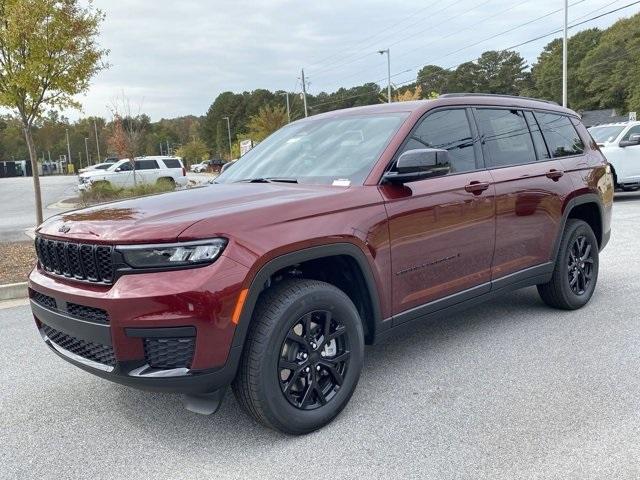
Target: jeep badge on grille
[{"x": 64, "y": 228}]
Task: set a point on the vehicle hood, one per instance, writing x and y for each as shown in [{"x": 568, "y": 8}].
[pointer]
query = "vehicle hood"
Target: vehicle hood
[
  {"x": 162, "y": 218},
  {"x": 94, "y": 173}
]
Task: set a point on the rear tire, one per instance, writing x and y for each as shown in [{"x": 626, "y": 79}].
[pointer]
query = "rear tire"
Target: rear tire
[
  {"x": 303, "y": 356},
  {"x": 576, "y": 271}
]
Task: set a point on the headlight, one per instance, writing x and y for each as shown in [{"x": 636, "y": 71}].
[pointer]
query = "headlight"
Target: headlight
[{"x": 172, "y": 255}]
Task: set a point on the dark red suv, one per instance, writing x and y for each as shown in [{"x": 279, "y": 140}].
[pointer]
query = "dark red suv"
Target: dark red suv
[{"x": 335, "y": 232}]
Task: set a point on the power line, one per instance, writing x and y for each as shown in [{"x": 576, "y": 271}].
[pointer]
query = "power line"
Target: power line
[
  {"x": 505, "y": 49},
  {"x": 404, "y": 54},
  {"x": 372, "y": 48}
]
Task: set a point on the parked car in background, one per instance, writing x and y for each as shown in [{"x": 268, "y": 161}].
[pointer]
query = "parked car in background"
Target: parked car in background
[
  {"x": 147, "y": 170},
  {"x": 98, "y": 166},
  {"x": 337, "y": 230},
  {"x": 199, "y": 167},
  {"x": 620, "y": 144}
]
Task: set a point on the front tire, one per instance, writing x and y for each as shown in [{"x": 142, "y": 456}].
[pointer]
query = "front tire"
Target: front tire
[
  {"x": 303, "y": 356},
  {"x": 576, "y": 271}
]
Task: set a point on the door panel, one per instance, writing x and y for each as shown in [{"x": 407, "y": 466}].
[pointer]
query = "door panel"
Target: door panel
[
  {"x": 441, "y": 236},
  {"x": 528, "y": 214},
  {"x": 529, "y": 185}
]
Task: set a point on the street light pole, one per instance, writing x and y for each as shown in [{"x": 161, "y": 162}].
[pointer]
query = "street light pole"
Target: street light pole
[
  {"x": 304, "y": 94},
  {"x": 95, "y": 128},
  {"x": 68, "y": 146},
  {"x": 564, "y": 54},
  {"x": 229, "y": 133},
  {"x": 382, "y": 52},
  {"x": 86, "y": 148},
  {"x": 288, "y": 111}
]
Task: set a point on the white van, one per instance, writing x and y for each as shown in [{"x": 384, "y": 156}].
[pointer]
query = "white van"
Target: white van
[
  {"x": 147, "y": 170},
  {"x": 620, "y": 144}
]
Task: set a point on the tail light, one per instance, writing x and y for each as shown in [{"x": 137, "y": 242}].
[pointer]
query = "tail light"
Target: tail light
[{"x": 184, "y": 172}]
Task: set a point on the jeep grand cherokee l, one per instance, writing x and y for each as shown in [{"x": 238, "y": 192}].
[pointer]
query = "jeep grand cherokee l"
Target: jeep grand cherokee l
[{"x": 335, "y": 232}]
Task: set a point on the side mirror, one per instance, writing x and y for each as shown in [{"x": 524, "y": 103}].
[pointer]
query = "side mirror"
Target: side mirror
[
  {"x": 225, "y": 166},
  {"x": 118, "y": 169},
  {"x": 633, "y": 140},
  {"x": 419, "y": 164}
]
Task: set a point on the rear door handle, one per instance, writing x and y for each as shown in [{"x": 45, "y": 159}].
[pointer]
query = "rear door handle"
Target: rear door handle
[
  {"x": 554, "y": 174},
  {"x": 476, "y": 187}
]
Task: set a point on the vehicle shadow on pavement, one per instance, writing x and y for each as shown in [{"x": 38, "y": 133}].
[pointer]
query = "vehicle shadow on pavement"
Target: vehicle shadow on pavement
[
  {"x": 626, "y": 196},
  {"x": 162, "y": 416}
]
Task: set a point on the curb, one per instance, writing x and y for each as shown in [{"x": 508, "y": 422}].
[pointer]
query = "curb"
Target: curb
[{"x": 13, "y": 291}]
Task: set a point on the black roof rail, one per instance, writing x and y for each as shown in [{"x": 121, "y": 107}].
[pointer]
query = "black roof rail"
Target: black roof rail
[{"x": 463, "y": 94}]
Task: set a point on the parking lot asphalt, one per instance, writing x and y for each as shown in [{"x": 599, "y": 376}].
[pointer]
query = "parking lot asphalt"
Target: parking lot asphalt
[
  {"x": 17, "y": 202},
  {"x": 510, "y": 389}
]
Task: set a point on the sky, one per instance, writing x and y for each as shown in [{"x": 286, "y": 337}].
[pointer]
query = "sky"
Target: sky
[{"x": 171, "y": 58}]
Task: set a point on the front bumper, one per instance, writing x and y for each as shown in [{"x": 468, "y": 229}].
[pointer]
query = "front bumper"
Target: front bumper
[{"x": 163, "y": 331}]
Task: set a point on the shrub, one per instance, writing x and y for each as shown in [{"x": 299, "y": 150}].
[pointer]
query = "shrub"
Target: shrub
[{"x": 106, "y": 192}]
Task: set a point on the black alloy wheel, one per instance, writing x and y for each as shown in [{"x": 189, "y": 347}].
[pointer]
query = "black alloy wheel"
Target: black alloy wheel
[
  {"x": 314, "y": 359},
  {"x": 581, "y": 261}
]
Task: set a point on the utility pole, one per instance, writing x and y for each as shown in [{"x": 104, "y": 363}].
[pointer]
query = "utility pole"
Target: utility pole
[
  {"x": 564, "y": 54},
  {"x": 229, "y": 133},
  {"x": 80, "y": 159},
  {"x": 304, "y": 94},
  {"x": 95, "y": 128},
  {"x": 288, "y": 111},
  {"x": 168, "y": 151},
  {"x": 86, "y": 148},
  {"x": 68, "y": 146},
  {"x": 382, "y": 52},
  {"x": 160, "y": 148}
]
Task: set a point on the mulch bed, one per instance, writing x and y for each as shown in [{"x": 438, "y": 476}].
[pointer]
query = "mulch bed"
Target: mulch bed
[{"x": 16, "y": 261}]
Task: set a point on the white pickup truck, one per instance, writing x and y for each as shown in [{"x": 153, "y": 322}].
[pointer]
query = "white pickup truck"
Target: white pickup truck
[
  {"x": 620, "y": 144},
  {"x": 147, "y": 170}
]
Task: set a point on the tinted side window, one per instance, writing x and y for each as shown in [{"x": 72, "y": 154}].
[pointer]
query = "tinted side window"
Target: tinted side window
[
  {"x": 172, "y": 163},
  {"x": 560, "y": 134},
  {"x": 506, "y": 137},
  {"x": 536, "y": 134},
  {"x": 125, "y": 167},
  {"x": 449, "y": 130},
  {"x": 632, "y": 131},
  {"x": 146, "y": 164}
]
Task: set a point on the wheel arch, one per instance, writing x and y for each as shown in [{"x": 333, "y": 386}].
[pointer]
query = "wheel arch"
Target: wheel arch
[
  {"x": 324, "y": 253},
  {"x": 587, "y": 207}
]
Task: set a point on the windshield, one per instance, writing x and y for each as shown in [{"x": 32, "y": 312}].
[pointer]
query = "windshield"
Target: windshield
[
  {"x": 339, "y": 150},
  {"x": 605, "y": 134}
]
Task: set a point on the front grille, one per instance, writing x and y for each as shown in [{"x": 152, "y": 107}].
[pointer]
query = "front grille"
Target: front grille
[
  {"x": 89, "y": 263},
  {"x": 44, "y": 300},
  {"x": 169, "y": 352},
  {"x": 89, "y": 350},
  {"x": 91, "y": 314}
]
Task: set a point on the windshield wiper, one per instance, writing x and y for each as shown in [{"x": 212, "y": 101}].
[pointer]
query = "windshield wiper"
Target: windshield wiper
[{"x": 267, "y": 180}]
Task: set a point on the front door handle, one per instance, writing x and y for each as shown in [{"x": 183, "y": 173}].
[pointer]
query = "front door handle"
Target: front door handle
[
  {"x": 554, "y": 174},
  {"x": 476, "y": 187}
]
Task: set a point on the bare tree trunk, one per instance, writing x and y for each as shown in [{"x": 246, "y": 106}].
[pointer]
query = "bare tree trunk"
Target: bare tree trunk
[{"x": 34, "y": 172}]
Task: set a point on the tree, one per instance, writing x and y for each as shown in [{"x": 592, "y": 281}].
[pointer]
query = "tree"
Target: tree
[
  {"x": 409, "y": 94},
  {"x": 547, "y": 71},
  {"x": 501, "y": 71},
  {"x": 126, "y": 137},
  {"x": 266, "y": 121},
  {"x": 194, "y": 151},
  {"x": 433, "y": 78},
  {"x": 48, "y": 54},
  {"x": 611, "y": 69}
]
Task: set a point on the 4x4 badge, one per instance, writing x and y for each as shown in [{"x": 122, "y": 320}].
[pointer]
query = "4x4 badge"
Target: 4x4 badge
[{"x": 64, "y": 229}]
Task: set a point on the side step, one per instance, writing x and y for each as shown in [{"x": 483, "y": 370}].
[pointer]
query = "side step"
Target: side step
[{"x": 204, "y": 403}]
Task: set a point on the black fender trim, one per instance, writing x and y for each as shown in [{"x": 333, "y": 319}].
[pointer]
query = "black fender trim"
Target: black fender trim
[
  {"x": 571, "y": 204},
  {"x": 299, "y": 256}
]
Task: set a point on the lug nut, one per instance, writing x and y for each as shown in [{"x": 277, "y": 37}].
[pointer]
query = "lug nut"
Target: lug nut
[
  {"x": 307, "y": 369},
  {"x": 318, "y": 368},
  {"x": 313, "y": 345},
  {"x": 304, "y": 355}
]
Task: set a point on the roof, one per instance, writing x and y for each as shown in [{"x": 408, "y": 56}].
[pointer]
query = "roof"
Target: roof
[
  {"x": 591, "y": 118},
  {"x": 460, "y": 99}
]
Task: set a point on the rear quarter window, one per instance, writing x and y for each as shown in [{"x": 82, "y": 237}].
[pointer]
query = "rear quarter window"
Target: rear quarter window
[
  {"x": 172, "y": 163},
  {"x": 561, "y": 136},
  {"x": 146, "y": 164}
]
